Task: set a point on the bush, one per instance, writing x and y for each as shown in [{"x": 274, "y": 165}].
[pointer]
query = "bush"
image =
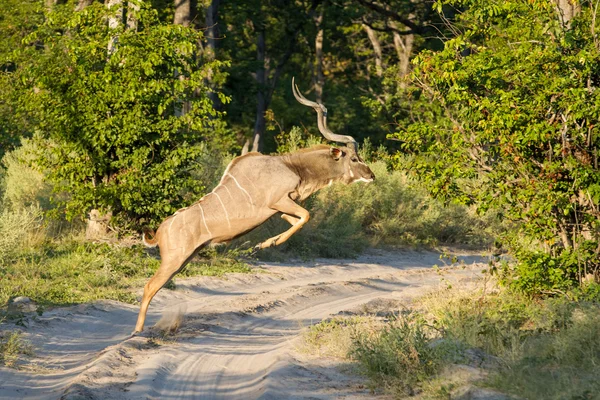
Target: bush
[
  {"x": 334, "y": 337},
  {"x": 396, "y": 354},
  {"x": 546, "y": 348},
  {"x": 119, "y": 141},
  {"x": 24, "y": 185},
  {"x": 393, "y": 210},
  {"x": 399, "y": 356},
  {"x": 499, "y": 131},
  {"x": 19, "y": 228}
]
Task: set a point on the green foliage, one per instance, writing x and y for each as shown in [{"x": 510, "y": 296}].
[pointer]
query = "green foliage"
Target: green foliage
[
  {"x": 545, "y": 348},
  {"x": 24, "y": 185},
  {"x": 536, "y": 272},
  {"x": 19, "y": 228},
  {"x": 109, "y": 123},
  {"x": 399, "y": 356},
  {"x": 18, "y": 18},
  {"x": 509, "y": 124},
  {"x": 68, "y": 272},
  {"x": 393, "y": 210}
]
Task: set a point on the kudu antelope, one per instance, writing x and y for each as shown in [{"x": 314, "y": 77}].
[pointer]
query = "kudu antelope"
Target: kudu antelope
[{"x": 253, "y": 188}]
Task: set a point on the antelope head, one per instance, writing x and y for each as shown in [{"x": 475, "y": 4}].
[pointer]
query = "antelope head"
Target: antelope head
[{"x": 355, "y": 170}]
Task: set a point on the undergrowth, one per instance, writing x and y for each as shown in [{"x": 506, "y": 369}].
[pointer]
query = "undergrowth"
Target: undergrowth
[
  {"x": 69, "y": 271},
  {"x": 548, "y": 348},
  {"x": 533, "y": 348},
  {"x": 391, "y": 211}
]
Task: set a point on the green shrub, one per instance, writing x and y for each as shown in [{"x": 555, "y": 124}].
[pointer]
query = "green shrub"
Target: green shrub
[
  {"x": 561, "y": 364},
  {"x": 398, "y": 357},
  {"x": 393, "y": 210},
  {"x": 19, "y": 228},
  {"x": 24, "y": 185},
  {"x": 545, "y": 348}
]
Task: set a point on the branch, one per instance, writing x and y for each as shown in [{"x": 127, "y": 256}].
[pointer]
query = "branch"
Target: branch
[
  {"x": 393, "y": 15},
  {"x": 387, "y": 28}
]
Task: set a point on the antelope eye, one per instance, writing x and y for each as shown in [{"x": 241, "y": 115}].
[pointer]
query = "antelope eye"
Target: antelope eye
[{"x": 354, "y": 159}]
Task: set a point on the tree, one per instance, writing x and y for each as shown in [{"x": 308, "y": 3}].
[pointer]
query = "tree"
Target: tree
[
  {"x": 17, "y": 20},
  {"x": 108, "y": 113},
  {"x": 509, "y": 120}
]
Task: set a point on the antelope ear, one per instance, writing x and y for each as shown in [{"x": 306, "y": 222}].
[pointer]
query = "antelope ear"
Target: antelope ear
[{"x": 336, "y": 153}]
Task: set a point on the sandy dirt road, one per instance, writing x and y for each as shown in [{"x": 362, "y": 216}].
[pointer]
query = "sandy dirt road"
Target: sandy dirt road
[{"x": 238, "y": 338}]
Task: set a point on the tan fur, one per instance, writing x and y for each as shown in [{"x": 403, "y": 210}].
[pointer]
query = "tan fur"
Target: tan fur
[{"x": 253, "y": 188}]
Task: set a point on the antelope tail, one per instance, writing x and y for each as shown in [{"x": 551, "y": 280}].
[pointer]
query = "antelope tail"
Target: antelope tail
[{"x": 149, "y": 242}]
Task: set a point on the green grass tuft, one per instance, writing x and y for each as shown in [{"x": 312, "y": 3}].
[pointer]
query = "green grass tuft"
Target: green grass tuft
[
  {"x": 61, "y": 273},
  {"x": 12, "y": 348},
  {"x": 398, "y": 357}
]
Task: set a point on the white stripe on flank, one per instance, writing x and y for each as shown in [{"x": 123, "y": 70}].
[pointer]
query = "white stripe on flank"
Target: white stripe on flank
[
  {"x": 250, "y": 180},
  {"x": 225, "y": 173},
  {"x": 242, "y": 189},
  {"x": 204, "y": 219},
  {"x": 173, "y": 220},
  {"x": 363, "y": 180},
  {"x": 228, "y": 191},
  {"x": 224, "y": 209}
]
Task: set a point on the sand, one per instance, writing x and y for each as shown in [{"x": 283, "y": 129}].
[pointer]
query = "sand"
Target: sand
[{"x": 232, "y": 338}]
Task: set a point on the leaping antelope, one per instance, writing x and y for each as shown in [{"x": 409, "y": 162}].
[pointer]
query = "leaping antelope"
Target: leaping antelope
[{"x": 253, "y": 188}]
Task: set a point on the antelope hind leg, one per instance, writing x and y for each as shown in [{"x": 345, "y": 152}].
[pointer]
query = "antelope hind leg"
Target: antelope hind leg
[
  {"x": 169, "y": 266},
  {"x": 288, "y": 207}
]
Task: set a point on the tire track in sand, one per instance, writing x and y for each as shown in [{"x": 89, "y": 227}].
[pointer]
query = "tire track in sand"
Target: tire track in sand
[{"x": 239, "y": 335}]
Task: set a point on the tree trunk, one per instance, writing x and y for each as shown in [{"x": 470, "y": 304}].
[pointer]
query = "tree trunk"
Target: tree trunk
[
  {"x": 132, "y": 10},
  {"x": 266, "y": 80},
  {"x": 211, "y": 34},
  {"x": 114, "y": 20},
  {"x": 97, "y": 226},
  {"x": 404, "y": 47},
  {"x": 183, "y": 12},
  {"x": 261, "y": 104},
  {"x": 81, "y": 4},
  {"x": 319, "y": 76},
  {"x": 376, "y": 49},
  {"x": 49, "y": 4},
  {"x": 567, "y": 10},
  {"x": 212, "y": 27}
]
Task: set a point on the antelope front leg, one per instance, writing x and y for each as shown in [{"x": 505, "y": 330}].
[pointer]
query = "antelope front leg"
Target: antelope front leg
[
  {"x": 289, "y": 208},
  {"x": 291, "y": 220}
]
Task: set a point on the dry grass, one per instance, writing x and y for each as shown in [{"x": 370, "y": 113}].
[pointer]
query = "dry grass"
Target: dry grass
[{"x": 463, "y": 336}]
